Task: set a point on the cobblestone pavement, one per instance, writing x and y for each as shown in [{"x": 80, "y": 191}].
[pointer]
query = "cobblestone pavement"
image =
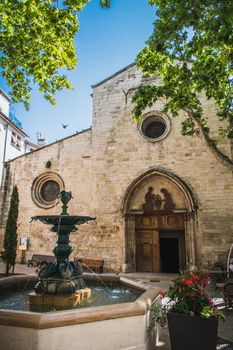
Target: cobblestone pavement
[{"x": 225, "y": 330}]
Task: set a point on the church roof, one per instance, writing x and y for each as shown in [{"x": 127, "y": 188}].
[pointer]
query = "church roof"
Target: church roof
[{"x": 113, "y": 75}]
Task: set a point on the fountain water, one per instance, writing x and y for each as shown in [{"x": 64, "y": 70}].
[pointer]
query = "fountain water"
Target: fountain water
[{"x": 61, "y": 283}]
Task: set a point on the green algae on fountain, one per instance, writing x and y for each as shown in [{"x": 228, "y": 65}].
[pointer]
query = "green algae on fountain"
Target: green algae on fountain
[{"x": 60, "y": 282}]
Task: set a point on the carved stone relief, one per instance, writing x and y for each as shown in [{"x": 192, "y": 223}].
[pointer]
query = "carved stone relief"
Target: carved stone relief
[
  {"x": 158, "y": 195},
  {"x": 156, "y": 202}
]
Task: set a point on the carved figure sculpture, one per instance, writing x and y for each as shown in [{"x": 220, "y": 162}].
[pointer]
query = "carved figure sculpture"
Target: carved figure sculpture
[
  {"x": 148, "y": 207},
  {"x": 169, "y": 205},
  {"x": 158, "y": 202}
]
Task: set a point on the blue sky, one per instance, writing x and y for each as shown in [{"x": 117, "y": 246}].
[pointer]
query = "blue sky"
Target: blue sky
[{"x": 108, "y": 40}]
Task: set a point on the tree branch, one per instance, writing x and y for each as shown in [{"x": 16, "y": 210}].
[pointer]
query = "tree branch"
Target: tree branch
[{"x": 210, "y": 143}]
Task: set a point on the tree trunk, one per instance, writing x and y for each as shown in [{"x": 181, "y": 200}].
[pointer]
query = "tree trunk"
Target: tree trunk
[{"x": 7, "y": 269}]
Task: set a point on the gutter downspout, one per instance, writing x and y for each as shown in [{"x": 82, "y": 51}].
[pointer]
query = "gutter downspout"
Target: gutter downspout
[{"x": 4, "y": 153}]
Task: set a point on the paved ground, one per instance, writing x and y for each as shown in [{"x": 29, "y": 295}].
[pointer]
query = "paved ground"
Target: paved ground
[
  {"x": 21, "y": 269},
  {"x": 163, "y": 281}
]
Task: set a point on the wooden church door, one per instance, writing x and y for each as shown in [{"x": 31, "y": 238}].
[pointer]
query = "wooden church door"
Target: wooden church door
[{"x": 147, "y": 244}]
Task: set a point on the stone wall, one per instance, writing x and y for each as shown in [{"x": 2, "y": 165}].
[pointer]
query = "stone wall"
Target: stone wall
[
  {"x": 71, "y": 159},
  {"x": 120, "y": 155}
]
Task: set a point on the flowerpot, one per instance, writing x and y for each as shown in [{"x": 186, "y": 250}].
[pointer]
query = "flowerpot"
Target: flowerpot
[{"x": 192, "y": 332}]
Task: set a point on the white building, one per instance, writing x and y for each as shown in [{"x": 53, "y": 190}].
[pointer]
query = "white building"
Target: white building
[{"x": 13, "y": 141}]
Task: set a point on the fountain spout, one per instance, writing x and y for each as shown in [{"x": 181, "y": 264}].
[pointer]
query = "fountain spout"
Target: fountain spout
[{"x": 65, "y": 198}]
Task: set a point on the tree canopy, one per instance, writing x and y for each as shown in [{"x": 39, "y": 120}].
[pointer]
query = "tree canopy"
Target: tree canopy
[
  {"x": 36, "y": 42},
  {"x": 191, "y": 50}
]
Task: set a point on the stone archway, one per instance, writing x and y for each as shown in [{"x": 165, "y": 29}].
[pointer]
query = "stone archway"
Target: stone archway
[{"x": 159, "y": 211}]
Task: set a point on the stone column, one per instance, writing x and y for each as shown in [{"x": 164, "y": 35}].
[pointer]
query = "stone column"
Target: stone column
[
  {"x": 190, "y": 239},
  {"x": 129, "y": 264}
]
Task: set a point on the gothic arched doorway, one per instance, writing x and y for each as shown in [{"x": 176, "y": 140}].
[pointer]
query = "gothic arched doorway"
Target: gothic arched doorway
[{"x": 159, "y": 224}]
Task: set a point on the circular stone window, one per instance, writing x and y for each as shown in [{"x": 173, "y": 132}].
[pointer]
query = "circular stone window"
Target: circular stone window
[
  {"x": 50, "y": 191},
  {"x": 155, "y": 126},
  {"x": 46, "y": 189}
]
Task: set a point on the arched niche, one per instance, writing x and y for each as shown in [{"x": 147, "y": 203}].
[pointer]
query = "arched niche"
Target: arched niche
[
  {"x": 158, "y": 178},
  {"x": 174, "y": 200}
]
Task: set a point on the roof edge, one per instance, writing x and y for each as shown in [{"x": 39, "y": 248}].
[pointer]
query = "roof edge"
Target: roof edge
[
  {"x": 50, "y": 144},
  {"x": 113, "y": 75},
  {"x": 5, "y": 95},
  {"x": 9, "y": 121}
]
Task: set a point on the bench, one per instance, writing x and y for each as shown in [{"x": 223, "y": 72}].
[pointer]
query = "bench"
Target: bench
[
  {"x": 90, "y": 265},
  {"x": 37, "y": 259},
  {"x": 218, "y": 275}
]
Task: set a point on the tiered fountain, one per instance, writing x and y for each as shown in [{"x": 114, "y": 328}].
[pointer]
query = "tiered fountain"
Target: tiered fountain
[
  {"x": 61, "y": 287},
  {"x": 61, "y": 284}
]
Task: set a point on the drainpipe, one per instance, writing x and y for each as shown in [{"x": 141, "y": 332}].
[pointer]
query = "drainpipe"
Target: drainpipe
[{"x": 4, "y": 152}]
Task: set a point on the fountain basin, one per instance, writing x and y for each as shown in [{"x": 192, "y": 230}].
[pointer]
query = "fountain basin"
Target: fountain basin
[
  {"x": 108, "y": 327},
  {"x": 62, "y": 219}
]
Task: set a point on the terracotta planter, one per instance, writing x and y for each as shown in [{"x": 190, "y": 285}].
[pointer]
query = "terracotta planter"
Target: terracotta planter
[{"x": 192, "y": 332}]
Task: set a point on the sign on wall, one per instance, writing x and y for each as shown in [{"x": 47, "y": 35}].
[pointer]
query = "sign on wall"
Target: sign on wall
[{"x": 23, "y": 243}]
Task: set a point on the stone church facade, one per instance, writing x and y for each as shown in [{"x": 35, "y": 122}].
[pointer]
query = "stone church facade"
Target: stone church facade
[{"x": 161, "y": 200}]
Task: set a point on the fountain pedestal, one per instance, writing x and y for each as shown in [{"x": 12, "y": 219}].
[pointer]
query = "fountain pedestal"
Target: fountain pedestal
[
  {"x": 61, "y": 284},
  {"x": 58, "y": 301}
]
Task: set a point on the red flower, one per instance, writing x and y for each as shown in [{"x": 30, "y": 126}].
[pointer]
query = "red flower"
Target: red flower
[{"x": 161, "y": 295}]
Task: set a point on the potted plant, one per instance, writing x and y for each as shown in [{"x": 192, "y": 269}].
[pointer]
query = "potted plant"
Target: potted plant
[{"x": 192, "y": 316}]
